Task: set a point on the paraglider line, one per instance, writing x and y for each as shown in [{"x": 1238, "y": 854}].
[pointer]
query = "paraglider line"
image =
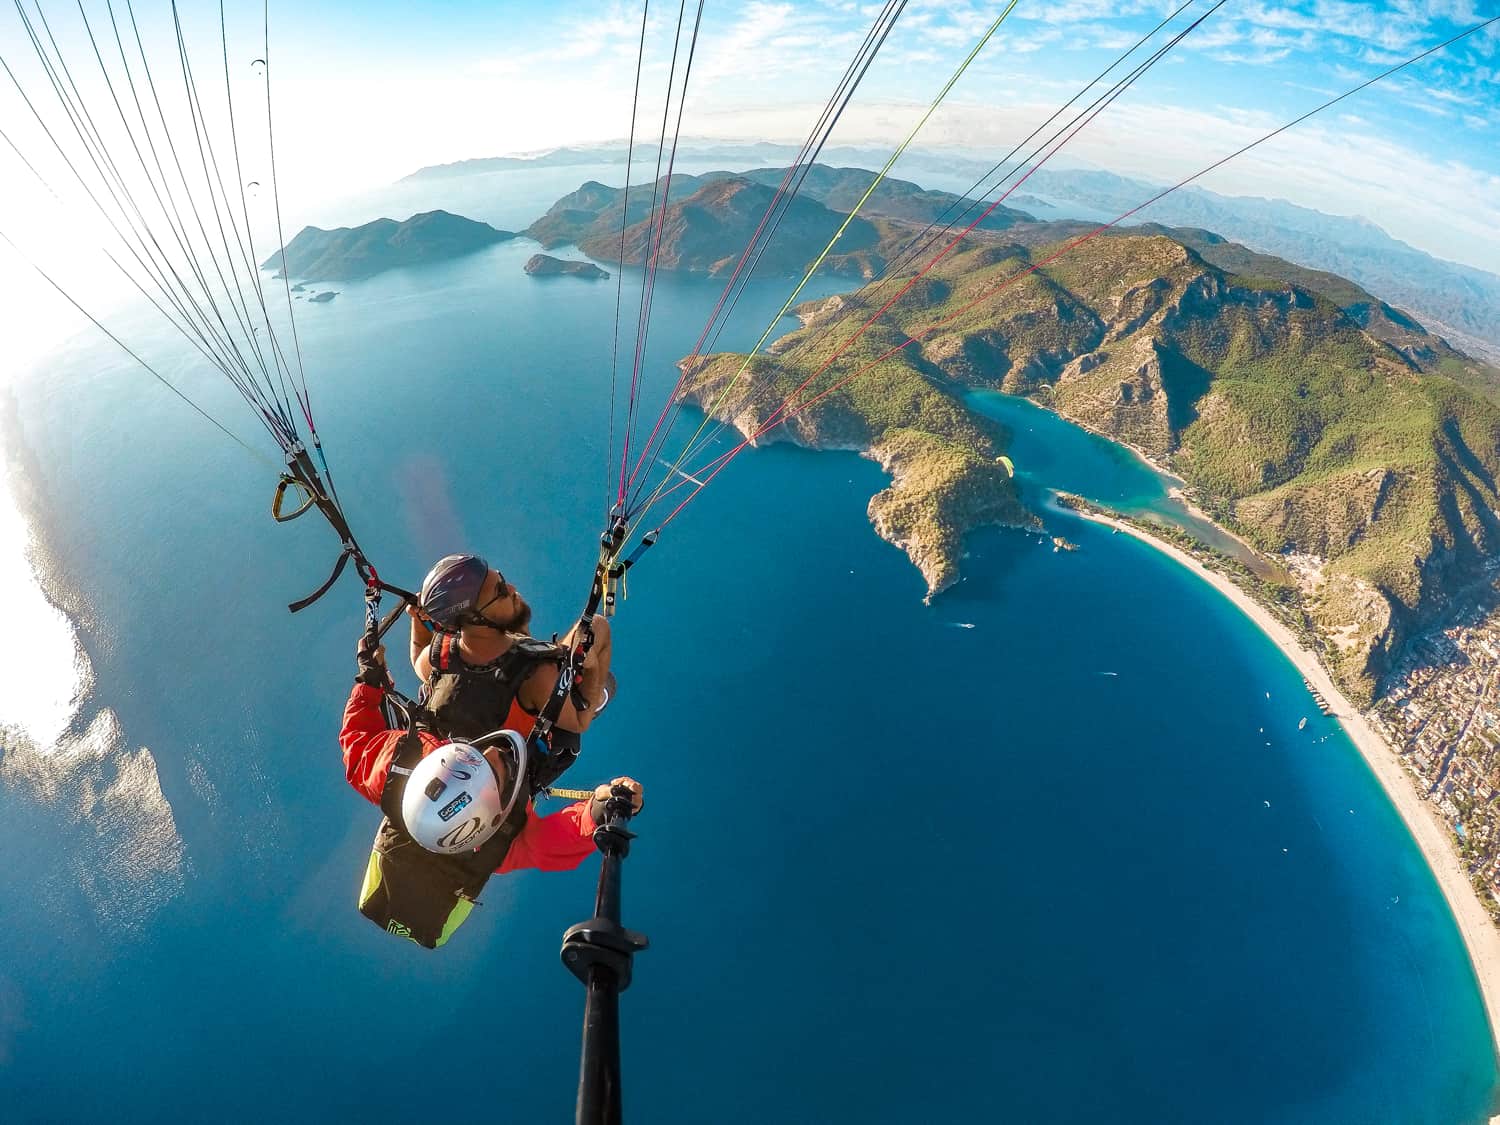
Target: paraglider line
[
  {"x": 614, "y": 355},
  {"x": 780, "y": 204},
  {"x": 726, "y": 458},
  {"x": 1088, "y": 118}
]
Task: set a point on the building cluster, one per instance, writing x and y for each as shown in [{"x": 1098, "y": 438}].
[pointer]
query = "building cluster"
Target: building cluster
[{"x": 1441, "y": 712}]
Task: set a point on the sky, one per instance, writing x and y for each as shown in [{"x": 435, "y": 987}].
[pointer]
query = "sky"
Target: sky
[{"x": 366, "y": 92}]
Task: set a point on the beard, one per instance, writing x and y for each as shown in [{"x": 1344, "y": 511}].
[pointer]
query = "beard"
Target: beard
[
  {"x": 522, "y": 620},
  {"x": 517, "y": 622}
]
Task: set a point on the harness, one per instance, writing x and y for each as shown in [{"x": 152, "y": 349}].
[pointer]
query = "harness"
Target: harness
[
  {"x": 464, "y": 701},
  {"x": 420, "y": 895},
  {"x": 412, "y": 892}
]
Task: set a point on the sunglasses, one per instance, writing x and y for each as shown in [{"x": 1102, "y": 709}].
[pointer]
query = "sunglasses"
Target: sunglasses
[{"x": 503, "y": 590}]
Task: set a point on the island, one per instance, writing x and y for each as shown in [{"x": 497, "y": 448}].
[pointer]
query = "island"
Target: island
[
  {"x": 322, "y": 298},
  {"x": 545, "y": 265},
  {"x": 356, "y": 253}
]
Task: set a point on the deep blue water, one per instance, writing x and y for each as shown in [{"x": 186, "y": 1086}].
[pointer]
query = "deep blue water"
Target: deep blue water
[{"x": 1051, "y": 849}]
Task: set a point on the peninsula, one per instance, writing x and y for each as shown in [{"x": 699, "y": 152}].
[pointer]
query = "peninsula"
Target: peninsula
[{"x": 354, "y": 253}]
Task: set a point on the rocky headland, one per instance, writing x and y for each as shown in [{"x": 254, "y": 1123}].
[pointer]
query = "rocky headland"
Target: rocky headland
[{"x": 948, "y": 474}]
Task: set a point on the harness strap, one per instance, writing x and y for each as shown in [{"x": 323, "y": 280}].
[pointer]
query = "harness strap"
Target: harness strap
[
  {"x": 303, "y": 476},
  {"x": 338, "y": 569},
  {"x": 407, "y": 756}
]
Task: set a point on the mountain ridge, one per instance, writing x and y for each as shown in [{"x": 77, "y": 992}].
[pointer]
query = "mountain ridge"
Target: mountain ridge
[
  {"x": 592, "y": 216},
  {"x": 1454, "y": 299}
]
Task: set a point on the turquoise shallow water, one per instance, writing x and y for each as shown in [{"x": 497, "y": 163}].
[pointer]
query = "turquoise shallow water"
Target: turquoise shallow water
[
  {"x": 1054, "y": 456},
  {"x": 1052, "y": 849}
]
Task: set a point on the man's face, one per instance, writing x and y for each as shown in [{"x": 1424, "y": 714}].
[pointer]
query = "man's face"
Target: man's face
[{"x": 501, "y": 604}]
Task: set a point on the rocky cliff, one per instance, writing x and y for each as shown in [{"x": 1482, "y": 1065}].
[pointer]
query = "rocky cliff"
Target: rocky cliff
[{"x": 948, "y": 474}]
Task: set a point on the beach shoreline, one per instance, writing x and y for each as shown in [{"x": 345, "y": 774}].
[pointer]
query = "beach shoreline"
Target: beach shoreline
[{"x": 1480, "y": 936}]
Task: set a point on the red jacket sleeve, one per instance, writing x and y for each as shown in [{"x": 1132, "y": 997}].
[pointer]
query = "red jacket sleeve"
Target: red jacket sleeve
[
  {"x": 367, "y": 743},
  {"x": 559, "y": 842}
]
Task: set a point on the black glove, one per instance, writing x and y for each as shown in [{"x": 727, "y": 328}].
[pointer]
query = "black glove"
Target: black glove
[
  {"x": 370, "y": 656},
  {"x": 596, "y": 806}
]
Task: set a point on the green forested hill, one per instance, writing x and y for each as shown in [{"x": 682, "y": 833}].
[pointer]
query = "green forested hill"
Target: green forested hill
[{"x": 711, "y": 217}]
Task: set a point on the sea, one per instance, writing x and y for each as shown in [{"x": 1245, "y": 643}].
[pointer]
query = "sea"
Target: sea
[{"x": 1056, "y": 847}]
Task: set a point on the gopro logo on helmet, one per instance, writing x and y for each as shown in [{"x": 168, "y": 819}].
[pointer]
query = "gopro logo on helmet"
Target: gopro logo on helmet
[{"x": 454, "y": 807}]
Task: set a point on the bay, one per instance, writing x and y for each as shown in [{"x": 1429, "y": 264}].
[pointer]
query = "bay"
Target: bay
[{"x": 1051, "y": 849}]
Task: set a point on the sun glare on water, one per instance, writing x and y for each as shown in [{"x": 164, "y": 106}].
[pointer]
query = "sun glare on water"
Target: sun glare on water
[{"x": 33, "y": 697}]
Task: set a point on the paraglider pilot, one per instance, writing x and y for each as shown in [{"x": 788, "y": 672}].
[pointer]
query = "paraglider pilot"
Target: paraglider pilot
[{"x": 456, "y": 788}]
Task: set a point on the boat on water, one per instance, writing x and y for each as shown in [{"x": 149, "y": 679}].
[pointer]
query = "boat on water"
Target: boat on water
[{"x": 1318, "y": 698}]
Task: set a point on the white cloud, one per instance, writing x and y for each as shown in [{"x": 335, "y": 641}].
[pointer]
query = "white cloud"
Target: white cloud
[{"x": 1252, "y": 58}]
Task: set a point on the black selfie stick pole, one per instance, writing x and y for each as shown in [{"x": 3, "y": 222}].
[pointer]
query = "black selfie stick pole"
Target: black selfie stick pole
[{"x": 599, "y": 953}]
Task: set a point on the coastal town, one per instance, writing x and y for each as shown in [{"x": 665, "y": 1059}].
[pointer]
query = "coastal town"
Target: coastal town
[{"x": 1441, "y": 713}]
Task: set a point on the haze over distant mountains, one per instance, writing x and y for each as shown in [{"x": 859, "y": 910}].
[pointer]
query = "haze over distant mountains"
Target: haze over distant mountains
[{"x": 1455, "y": 300}]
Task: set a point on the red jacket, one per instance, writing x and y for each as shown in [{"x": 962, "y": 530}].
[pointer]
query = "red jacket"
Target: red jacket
[{"x": 558, "y": 842}]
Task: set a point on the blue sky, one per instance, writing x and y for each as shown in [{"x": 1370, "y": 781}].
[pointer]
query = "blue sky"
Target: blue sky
[
  {"x": 1417, "y": 154},
  {"x": 368, "y": 91}
]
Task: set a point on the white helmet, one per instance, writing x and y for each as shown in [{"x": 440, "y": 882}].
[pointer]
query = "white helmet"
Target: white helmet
[{"x": 453, "y": 801}]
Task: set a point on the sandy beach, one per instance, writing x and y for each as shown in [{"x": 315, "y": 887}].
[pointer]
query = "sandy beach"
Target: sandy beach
[{"x": 1480, "y": 934}]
